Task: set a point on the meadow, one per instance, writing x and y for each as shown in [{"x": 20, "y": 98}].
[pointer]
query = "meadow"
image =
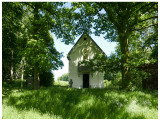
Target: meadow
[{"x": 62, "y": 102}]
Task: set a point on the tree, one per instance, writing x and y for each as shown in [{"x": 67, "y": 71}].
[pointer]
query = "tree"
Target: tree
[
  {"x": 11, "y": 27},
  {"x": 126, "y": 18},
  {"x": 46, "y": 18},
  {"x": 27, "y": 30},
  {"x": 118, "y": 22}
]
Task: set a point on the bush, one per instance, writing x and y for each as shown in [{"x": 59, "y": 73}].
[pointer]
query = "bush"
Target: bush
[
  {"x": 46, "y": 78},
  {"x": 108, "y": 76},
  {"x": 115, "y": 82},
  {"x": 136, "y": 77},
  {"x": 117, "y": 79},
  {"x": 107, "y": 84}
]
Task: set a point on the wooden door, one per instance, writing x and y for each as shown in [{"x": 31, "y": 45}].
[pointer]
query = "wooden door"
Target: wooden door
[{"x": 85, "y": 80}]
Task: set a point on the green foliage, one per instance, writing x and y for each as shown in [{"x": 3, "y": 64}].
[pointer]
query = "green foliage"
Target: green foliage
[
  {"x": 118, "y": 22},
  {"x": 26, "y": 34},
  {"x": 64, "y": 77},
  {"x": 108, "y": 84},
  {"x": 46, "y": 55},
  {"x": 137, "y": 17},
  {"x": 83, "y": 17},
  {"x": 140, "y": 54},
  {"x": 115, "y": 83},
  {"x": 154, "y": 53},
  {"x": 40, "y": 45},
  {"x": 11, "y": 27},
  {"x": 46, "y": 78},
  {"x": 69, "y": 103},
  {"x": 108, "y": 76}
]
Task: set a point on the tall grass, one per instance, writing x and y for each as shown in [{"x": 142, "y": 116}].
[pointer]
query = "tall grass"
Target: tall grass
[{"x": 68, "y": 103}]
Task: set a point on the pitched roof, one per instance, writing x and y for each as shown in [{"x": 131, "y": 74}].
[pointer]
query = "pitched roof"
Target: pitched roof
[{"x": 80, "y": 39}]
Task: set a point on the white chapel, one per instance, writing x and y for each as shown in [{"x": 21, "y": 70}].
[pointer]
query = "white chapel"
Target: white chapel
[{"x": 82, "y": 76}]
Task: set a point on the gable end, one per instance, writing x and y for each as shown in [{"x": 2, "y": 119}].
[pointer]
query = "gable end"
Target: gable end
[{"x": 78, "y": 41}]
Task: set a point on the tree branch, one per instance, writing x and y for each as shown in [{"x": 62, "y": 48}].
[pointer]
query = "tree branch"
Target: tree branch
[
  {"x": 144, "y": 6},
  {"x": 110, "y": 15},
  {"x": 144, "y": 27},
  {"x": 148, "y": 19}
]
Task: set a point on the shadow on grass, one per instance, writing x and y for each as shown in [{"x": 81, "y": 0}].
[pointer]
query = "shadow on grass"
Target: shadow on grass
[
  {"x": 69, "y": 103},
  {"x": 8, "y": 87}
]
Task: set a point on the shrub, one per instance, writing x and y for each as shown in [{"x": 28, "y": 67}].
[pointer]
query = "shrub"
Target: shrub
[
  {"x": 46, "y": 78},
  {"x": 107, "y": 83}
]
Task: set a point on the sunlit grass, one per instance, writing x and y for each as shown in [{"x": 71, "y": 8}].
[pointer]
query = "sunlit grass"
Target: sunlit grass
[
  {"x": 69, "y": 103},
  {"x": 11, "y": 112},
  {"x": 61, "y": 83}
]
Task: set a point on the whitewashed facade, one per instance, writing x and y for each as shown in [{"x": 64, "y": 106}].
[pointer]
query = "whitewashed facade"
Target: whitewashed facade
[{"x": 84, "y": 49}]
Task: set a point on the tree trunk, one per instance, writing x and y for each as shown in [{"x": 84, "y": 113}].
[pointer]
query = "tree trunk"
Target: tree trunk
[
  {"x": 36, "y": 27},
  {"x": 124, "y": 62},
  {"x": 11, "y": 70},
  {"x": 22, "y": 73},
  {"x": 36, "y": 76},
  {"x": 22, "y": 79}
]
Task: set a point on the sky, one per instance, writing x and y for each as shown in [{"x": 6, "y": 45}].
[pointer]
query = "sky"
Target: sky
[{"x": 107, "y": 47}]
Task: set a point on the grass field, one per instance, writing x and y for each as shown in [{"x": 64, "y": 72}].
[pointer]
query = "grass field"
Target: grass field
[{"x": 61, "y": 102}]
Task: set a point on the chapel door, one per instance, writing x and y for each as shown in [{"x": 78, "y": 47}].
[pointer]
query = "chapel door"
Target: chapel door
[{"x": 85, "y": 80}]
